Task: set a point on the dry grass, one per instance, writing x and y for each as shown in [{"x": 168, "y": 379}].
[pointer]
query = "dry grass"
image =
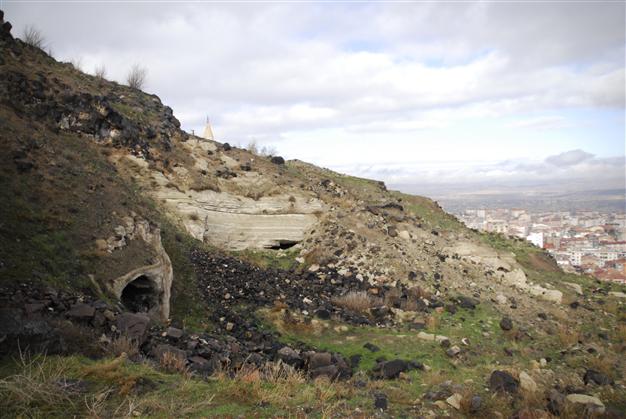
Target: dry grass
[
  {"x": 605, "y": 363},
  {"x": 253, "y": 190},
  {"x": 567, "y": 336},
  {"x": 620, "y": 333},
  {"x": 172, "y": 363},
  {"x": 392, "y": 297},
  {"x": 418, "y": 293},
  {"x": 433, "y": 378},
  {"x": 34, "y": 37},
  {"x": 200, "y": 182},
  {"x": 432, "y": 323},
  {"x": 122, "y": 345},
  {"x": 273, "y": 384},
  {"x": 294, "y": 325},
  {"x": 112, "y": 372},
  {"x": 36, "y": 386},
  {"x": 410, "y": 305},
  {"x": 357, "y": 301},
  {"x": 279, "y": 306},
  {"x": 315, "y": 256}
]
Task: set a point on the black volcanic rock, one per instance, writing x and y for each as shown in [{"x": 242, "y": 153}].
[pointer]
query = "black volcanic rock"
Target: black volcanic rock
[{"x": 503, "y": 382}]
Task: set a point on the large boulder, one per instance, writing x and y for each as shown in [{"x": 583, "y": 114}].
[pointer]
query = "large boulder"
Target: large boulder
[
  {"x": 467, "y": 302},
  {"x": 503, "y": 382},
  {"x": 596, "y": 377},
  {"x": 134, "y": 326},
  {"x": 589, "y": 405},
  {"x": 527, "y": 383},
  {"x": 290, "y": 357},
  {"x": 320, "y": 359},
  {"x": 390, "y": 369},
  {"x": 81, "y": 311},
  {"x": 506, "y": 323},
  {"x": 18, "y": 333}
]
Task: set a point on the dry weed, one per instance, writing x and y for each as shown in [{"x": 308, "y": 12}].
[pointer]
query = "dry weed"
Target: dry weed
[
  {"x": 113, "y": 373},
  {"x": 172, "y": 363},
  {"x": 605, "y": 363},
  {"x": 357, "y": 301},
  {"x": 123, "y": 345},
  {"x": 95, "y": 404},
  {"x": 418, "y": 292},
  {"x": 432, "y": 323},
  {"x": 392, "y": 297},
  {"x": 568, "y": 337},
  {"x": 200, "y": 182},
  {"x": 620, "y": 333},
  {"x": 433, "y": 378},
  {"x": 37, "y": 384}
]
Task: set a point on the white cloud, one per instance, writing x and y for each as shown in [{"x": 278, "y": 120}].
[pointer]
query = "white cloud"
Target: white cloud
[
  {"x": 569, "y": 158},
  {"x": 541, "y": 122},
  {"x": 374, "y": 82}
]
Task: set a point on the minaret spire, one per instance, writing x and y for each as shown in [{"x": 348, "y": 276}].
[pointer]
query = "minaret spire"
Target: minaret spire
[{"x": 208, "y": 132}]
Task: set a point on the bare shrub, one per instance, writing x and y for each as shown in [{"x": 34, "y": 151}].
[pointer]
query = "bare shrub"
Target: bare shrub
[
  {"x": 100, "y": 72},
  {"x": 77, "y": 63},
  {"x": 265, "y": 151},
  {"x": 34, "y": 37},
  {"x": 358, "y": 301},
  {"x": 136, "y": 77},
  {"x": 268, "y": 151},
  {"x": 253, "y": 148}
]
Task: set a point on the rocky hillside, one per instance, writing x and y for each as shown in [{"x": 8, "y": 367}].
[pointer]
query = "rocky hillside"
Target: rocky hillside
[{"x": 257, "y": 286}]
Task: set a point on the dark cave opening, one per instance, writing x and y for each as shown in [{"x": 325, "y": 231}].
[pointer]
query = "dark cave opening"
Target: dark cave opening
[
  {"x": 139, "y": 295},
  {"x": 283, "y": 244}
]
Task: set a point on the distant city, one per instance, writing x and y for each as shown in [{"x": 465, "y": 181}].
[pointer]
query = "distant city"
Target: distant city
[{"x": 592, "y": 242}]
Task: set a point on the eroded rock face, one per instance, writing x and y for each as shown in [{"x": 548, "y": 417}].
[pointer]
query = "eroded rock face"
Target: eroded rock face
[
  {"x": 146, "y": 288},
  {"x": 236, "y": 223}
]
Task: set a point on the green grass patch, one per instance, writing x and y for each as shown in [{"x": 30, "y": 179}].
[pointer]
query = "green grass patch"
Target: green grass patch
[
  {"x": 403, "y": 343},
  {"x": 276, "y": 259},
  {"x": 429, "y": 213}
]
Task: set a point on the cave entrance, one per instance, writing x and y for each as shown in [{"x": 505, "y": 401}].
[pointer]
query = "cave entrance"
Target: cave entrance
[
  {"x": 283, "y": 244},
  {"x": 140, "y": 295}
]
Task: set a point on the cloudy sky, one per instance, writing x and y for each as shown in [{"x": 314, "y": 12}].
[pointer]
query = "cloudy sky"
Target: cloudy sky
[{"x": 413, "y": 93}]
